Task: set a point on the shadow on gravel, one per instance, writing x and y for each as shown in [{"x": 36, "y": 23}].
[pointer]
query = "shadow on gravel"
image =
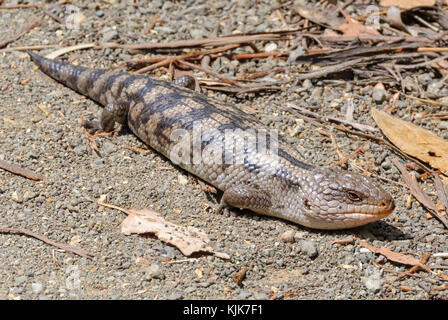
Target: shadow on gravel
[{"x": 383, "y": 230}]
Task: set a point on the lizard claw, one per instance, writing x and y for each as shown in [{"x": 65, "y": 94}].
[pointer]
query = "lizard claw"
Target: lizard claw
[
  {"x": 92, "y": 126},
  {"x": 225, "y": 210}
]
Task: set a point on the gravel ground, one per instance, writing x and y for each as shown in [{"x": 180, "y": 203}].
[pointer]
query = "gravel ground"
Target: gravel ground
[{"x": 283, "y": 260}]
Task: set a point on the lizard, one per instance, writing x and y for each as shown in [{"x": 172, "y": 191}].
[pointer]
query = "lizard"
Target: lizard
[{"x": 269, "y": 181}]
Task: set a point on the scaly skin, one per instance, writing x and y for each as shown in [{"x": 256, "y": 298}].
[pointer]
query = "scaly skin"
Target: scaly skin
[{"x": 164, "y": 116}]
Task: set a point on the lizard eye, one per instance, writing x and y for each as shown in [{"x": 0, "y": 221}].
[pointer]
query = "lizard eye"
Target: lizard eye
[{"x": 354, "y": 196}]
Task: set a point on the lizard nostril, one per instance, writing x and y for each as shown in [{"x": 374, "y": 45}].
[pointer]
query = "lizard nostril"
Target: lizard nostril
[
  {"x": 383, "y": 204},
  {"x": 387, "y": 206}
]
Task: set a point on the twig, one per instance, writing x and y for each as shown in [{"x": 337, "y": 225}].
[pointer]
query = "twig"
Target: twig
[
  {"x": 418, "y": 193},
  {"x": 441, "y": 192},
  {"x": 329, "y": 70},
  {"x": 20, "y": 171},
  {"x": 346, "y": 158},
  {"x": 152, "y": 22},
  {"x": 261, "y": 74},
  {"x": 23, "y": 6},
  {"x": 258, "y": 55},
  {"x": 163, "y": 61},
  {"x": 65, "y": 247},
  {"x": 23, "y": 48},
  {"x": 426, "y": 49},
  {"x": 214, "y": 74},
  {"x": 424, "y": 64},
  {"x": 358, "y": 126},
  {"x": 431, "y": 102},
  {"x": 411, "y": 274},
  {"x": 208, "y": 42}
]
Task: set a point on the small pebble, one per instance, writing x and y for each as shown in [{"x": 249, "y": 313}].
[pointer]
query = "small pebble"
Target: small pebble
[
  {"x": 374, "y": 282},
  {"x": 99, "y": 13},
  {"x": 310, "y": 249},
  {"x": 154, "y": 272},
  {"x": 17, "y": 197},
  {"x": 288, "y": 236},
  {"x": 270, "y": 47},
  {"x": 108, "y": 147},
  {"x": 37, "y": 288},
  {"x": 174, "y": 296},
  {"x": 379, "y": 95},
  {"x": 182, "y": 179},
  {"x": 244, "y": 294},
  {"x": 20, "y": 280}
]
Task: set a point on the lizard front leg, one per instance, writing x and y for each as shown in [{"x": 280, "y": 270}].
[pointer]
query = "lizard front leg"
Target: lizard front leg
[
  {"x": 245, "y": 197},
  {"x": 113, "y": 112}
]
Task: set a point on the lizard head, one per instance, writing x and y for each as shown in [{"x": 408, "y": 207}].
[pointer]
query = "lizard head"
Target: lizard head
[{"x": 337, "y": 199}]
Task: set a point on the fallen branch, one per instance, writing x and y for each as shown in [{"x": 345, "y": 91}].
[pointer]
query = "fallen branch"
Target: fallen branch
[
  {"x": 214, "y": 74},
  {"x": 65, "y": 247},
  {"x": 207, "y": 42},
  {"x": 23, "y": 6},
  {"x": 418, "y": 193},
  {"x": 324, "y": 119},
  {"x": 20, "y": 171}
]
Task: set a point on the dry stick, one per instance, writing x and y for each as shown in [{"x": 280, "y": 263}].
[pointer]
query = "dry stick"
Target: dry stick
[
  {"x": 152, "y": 23},
  {"x": 411, "y": 274},
  {"x": 359, "y": 126},
  {"x": 258, "y": 55},
  {"x": 242, "y": 90},
  {"x": 53, "y": 16},
  {"x": 358, "y": 150},
  {"x": 328, "y": 70},
  {"x": 431, "y": 102},
  {"x": 172, "y": 59},
  {"x": 20, "y": 171},
  {"x": 23, "y": 6},
  {"x": 423, "y": 64},
  {"x": 208, "y": 42},
  {"x": 65, "y": 247},
  {"x": 375, "y": 38},
  {"x": 333, "y": 141},
  {"x": 386, "y": 143},
  {"x": 425, "y": 49},
  {"x": 441, "y": 192},
  {"x": 214, "y": 74},
  {"x": 418, "y": 193},
  {"x": 23, "y": 48},
  {"x": 413, "y": 269},
  {"x": 159, "y": 64},
  {"x": 261, "y": 74}
]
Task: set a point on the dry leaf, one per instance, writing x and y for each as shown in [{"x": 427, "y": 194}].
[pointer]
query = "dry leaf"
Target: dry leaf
[
  {"x": 407, "y": 4},
  {"x": 187, "y": 239},
  {"x": 319, "y": 16},
  {"x": 393, "y": 256},
  {"x": 240, "y": 275},
  {"x": 414, "y": 140},
  {"x": 354, "y": 28},
  {"x": 418, "y": 192},
  {"x": 405, "y": 288}
]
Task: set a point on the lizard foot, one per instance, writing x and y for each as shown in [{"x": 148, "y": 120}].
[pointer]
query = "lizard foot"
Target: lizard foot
[{"x": 91, "y": 125}]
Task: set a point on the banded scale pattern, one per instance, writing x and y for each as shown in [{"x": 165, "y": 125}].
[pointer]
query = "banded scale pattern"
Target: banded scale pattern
[{"x": 221, "y": 144}]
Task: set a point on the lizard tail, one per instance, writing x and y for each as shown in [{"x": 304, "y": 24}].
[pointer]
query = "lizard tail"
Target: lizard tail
[{"x": 78, "y": 78}]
